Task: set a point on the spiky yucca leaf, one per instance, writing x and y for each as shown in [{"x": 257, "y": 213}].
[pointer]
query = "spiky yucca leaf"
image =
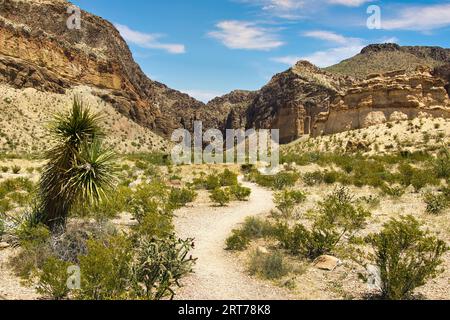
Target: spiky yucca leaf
[
  {"x": 77, "y": 167},
  {"x": 91, "y": 176}
]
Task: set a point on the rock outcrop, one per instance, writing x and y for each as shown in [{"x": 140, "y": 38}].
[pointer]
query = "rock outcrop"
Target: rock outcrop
[
  {"x": 386, "y": 97},
  {"x": 292, "y": 100},
  {"x": 38, "y": 50}
]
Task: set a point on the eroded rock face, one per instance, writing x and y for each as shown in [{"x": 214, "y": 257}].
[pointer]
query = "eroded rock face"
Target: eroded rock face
[
  {"x": 38, "y": 50},
  {"x": 386, "y": 97},
  {"x": 293, "y": 100}
]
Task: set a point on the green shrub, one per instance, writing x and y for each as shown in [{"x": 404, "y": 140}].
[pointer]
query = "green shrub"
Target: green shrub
[
  {"x": 393, "y": 191},
  {"x": 238, "y": 241},
  {"x": 151, "y": 199},
  {"x": 330, "y": 177},
  {"x": 211, "y": 182},
  {"x": 5, "y": 169},
  {"x": 308, "y": 243},
  {"x": 256, "y": 228},
  {"x": 180, "y": 197},
  {"x": 270, "y": 266},
  {"x": 406, "y": 256},
  {"x": 240, "y": 193},
  {"x": 313, "y": 178},
  {"x": 105, "y": 269},
  {"x": 228, "y": 178},
  {"x": 220, "y": 196},
  {"x": 279, "y": 181},
  {"x": 441, "y": 165},
  {"x": 287, "y": 200},
  {"x": 338, "y": 217},
  {"x": 16, "y": 169},
  {"x": 52, "y": 279},
  {"x": 436, "y": 203}
]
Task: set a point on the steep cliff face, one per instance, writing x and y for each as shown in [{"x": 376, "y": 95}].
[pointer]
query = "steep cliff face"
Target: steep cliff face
[
  {"x": 38, "y": 50},
  {"x": 292, "y": 100},
  {"x": 386, "y": 97}
]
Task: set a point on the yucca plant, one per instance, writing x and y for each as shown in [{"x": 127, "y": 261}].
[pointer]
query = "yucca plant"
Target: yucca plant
[{"x": 78, "y": 168}]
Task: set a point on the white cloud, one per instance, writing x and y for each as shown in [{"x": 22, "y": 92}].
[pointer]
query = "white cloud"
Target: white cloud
[
  {"x": 424, "y": 18},
  {"x": 289, "y": 60},
  {"x": 245, "y": 35},
  {"x": 326, "y": 36},
  {"x": 203, "y": 95},
  {"x": 348, "y": 47},
  {"x": 297, "y": 9},
  {"x": 147, "y": 40},
  {"x": 349, "y": 3}
]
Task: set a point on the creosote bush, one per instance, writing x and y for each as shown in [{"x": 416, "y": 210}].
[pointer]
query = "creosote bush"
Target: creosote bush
[
  {"x": 269, "y": 266},
  {"x": 436, "y": 203},
  {"x": 240, "y": 193},
  {"x": 220, "y": 196},
  {"x": 407, "y": 257},
  {"x": 287, "y": 200},
  {"x": 338, "y": 217}
]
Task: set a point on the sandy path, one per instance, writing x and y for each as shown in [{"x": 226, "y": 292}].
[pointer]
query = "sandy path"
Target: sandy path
[{"x": 217, "y": 275}]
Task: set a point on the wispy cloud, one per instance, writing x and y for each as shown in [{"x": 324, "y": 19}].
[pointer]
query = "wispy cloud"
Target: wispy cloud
[
  {"x": 297, "y": 9},
  {"x": 148, "y": 40},
  {"x": 245, "y": 35},
  {"x": 419, "y": 18},
  {"x": 347, "y": 48}
]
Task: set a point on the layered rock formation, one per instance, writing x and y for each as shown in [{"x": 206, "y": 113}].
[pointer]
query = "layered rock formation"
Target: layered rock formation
[
  {"x": 386, "y": 97},
  {"x": 38, "y": 50}
]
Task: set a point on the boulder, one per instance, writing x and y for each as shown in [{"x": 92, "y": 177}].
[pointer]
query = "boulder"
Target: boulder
[{"x": 328, "y": 263}]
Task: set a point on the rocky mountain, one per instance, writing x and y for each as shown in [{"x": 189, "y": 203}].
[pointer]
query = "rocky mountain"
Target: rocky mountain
[
  {"x": 381, "y": 58},
  {"x": 38, "y": 50},
  {"x": 383, "y": 83}
]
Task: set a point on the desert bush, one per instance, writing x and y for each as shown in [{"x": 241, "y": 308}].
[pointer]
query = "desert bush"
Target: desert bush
[
  {"x": 279, "y": 181},
  {"x": 228, "y": 178},
  {"x": 393, "y": 191},
  {"x": 151, "y": 199},
  {"x": 287, "y": 200},
  {"x": 338, "y": 217},
  {"x": 34, "y": 249},
  {"x": 256, "y": 228},
  {"x": 406, "y": 256},
  {"x": 436, "y": 203},
  {"x": 5, "y": 169},
  {"x": 220, "y": 196},
  {"x": 441, "y": 165},
  {"x": 313, "y": 178},
  {"x": 16, "y": 169},
  {"x": 159, "y": 265},
  {"x": 330, "y": 177},
  {"x": 212, "y": 182},
  {"x": 270, "y": 266},
  {"x": 52, "y": 279},
  {"x": 240, "y": 193},
  {"x": 238, "y": 241},
  {"x": 180, "y": 197},
  {"x": 105, "y": 267}
]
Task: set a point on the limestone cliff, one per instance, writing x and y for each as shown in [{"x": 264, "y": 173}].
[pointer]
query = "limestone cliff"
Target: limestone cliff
[{"x": 386, "y": 97}]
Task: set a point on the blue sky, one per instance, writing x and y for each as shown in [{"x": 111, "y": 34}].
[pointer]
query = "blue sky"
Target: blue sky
[{"x": 210, "y": 47}]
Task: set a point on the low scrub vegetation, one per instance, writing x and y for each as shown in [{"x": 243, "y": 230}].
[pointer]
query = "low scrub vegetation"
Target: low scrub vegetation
[{"x": 407, "y": 257}]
